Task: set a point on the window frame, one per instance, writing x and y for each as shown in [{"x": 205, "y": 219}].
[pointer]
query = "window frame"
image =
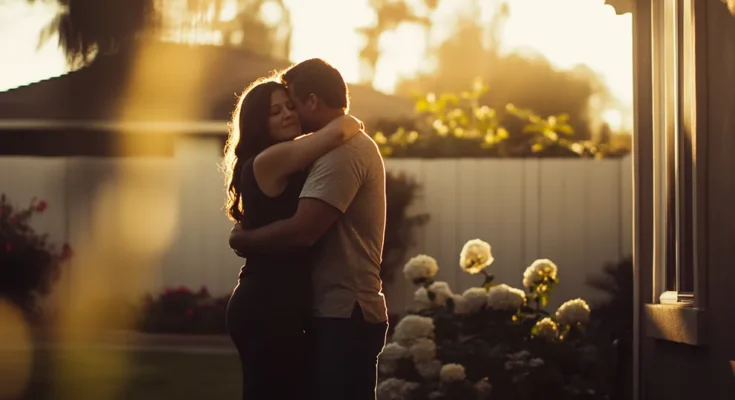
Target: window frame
[
  {"x": 677, "y": 231},
  {"x": 678, "y": 96}
]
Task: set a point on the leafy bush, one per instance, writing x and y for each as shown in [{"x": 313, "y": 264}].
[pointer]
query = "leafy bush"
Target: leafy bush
[
  {"x": 612, "y": 324},
  {"x": 182, "y": 310},
  {"x": 490, "y": 340},
  {"x": 457, "y": 125},
  {"x": 29, "y": 264}
]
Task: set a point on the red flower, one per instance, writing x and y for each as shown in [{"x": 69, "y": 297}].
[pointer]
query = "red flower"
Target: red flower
[
  {"x": 8, "y": 246},
  {"x": 13, "y": 220},
  {"x": 190, "y": 312},
  {"x": 41, "y": 206},
  {"x": 182, "y": 290}
]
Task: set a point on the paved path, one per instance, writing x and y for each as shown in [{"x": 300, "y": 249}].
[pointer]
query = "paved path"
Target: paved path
[{"x": 135, "y": 341}]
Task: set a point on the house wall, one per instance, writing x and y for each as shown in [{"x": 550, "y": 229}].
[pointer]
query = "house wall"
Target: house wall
[{"x": 671, "y": 370}]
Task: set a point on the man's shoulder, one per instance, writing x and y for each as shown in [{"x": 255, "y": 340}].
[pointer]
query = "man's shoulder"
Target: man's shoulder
[
  {"x": 363, "y": 147},
  {"x": 360, "y": 147}
]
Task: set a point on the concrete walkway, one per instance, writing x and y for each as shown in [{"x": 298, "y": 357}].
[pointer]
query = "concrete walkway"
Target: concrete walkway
[{"x": 136, "y": 341}]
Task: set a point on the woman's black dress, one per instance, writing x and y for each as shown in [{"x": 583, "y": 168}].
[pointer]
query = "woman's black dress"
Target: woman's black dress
[{"x": 271, "y": 302}]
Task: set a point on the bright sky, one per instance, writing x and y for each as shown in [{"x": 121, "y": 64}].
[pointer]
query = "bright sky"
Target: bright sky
[{"x": 567, "y": 32}]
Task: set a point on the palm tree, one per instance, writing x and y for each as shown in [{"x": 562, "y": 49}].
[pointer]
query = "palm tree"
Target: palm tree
[{"x": 89, "y": 27}]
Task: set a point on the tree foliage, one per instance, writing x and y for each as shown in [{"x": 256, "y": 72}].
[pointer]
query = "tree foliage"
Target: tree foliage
[
  {"x": 463, "y": 125},
  {"x": 86, "y": 28}
]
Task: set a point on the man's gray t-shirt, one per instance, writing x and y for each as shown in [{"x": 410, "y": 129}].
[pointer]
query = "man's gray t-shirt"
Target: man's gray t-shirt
[{"x": 346, "y": 260}]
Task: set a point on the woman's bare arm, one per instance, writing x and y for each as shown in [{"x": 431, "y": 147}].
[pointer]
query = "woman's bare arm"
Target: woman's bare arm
[{"x": 275, "y": 164}]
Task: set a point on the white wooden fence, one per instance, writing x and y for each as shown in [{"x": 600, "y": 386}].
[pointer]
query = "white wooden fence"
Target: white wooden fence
[{"x": 575, "y": 212}]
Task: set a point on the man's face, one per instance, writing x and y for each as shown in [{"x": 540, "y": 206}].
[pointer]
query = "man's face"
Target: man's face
[{"x": 305, "y": 109}]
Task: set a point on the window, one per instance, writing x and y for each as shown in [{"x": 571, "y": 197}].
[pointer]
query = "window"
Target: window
[{"x": 675, "y": 140}]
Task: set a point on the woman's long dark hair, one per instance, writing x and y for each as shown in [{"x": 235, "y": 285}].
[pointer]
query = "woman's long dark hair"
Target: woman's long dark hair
[{"x": 249, "y": 135}]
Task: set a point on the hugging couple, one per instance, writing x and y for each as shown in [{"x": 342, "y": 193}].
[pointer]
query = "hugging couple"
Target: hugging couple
[{"x": 307, "y": 316}]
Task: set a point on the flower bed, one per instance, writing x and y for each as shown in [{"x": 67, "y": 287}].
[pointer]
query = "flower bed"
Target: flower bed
[
  {"x": 182, "y": 310},
  {"x": 491, "y": 340}
]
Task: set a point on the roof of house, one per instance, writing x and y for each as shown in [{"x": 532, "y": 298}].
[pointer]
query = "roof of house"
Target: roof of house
[
  {"x": 621, "y": 6},
  {"x": 163, "y": 83}
]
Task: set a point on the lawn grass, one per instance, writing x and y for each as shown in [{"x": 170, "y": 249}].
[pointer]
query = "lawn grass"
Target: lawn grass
[{"x": 139, "y": 375}]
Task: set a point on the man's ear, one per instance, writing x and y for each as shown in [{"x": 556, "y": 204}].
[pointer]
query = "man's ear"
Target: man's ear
[{"x": 313, "y": 102}]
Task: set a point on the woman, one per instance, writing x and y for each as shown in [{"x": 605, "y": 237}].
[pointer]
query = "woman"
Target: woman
[{"x": 265, "y": 170}]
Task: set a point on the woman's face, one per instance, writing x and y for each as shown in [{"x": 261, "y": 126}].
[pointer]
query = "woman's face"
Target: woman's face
[{"x": 283, "y": 122}]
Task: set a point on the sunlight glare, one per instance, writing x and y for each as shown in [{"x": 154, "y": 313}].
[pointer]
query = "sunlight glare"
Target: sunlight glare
[
  {"x": 403, "y": 61},
  {"x": 567, "y": 32},
  {"x": 229, "y": 11},
  {"x": 271, "y": 13},
  {"x": 614, "y": 118},
  {"x": 16, "y": 351},
  {"x": 28, "y": 63}
]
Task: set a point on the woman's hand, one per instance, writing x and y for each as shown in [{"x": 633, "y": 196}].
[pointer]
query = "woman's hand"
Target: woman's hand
[
  {"x": 235, "y": 234},
  {"x": 348, "y": 125}
]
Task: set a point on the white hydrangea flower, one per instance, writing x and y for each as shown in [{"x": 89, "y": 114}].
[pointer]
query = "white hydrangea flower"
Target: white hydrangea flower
[
  {"x": 391, "y": 389},
  {"x": 388, "y": 359},
  {"x": 484, "y": 389},
  {"x": 409, "y": 387},
  {"x": 536, "y": 272},
  {"x": 730, "y": 5},
  {"x": 517, "y": 359},
  {"x": 452, "y": 373},
  {"x": 460, "y": 305},
  {"x": 435, "y": 395},
  {"x": 535, "y": 362},
  {"x": 420, "y": 267},
  {"x": 411, "y": 328},
  {"x": 395, "y": 389},
  {"x": 441, "y": 291},
  {"x": 504, "y": 297},
  {"x": 421, "y": 299},
  {"x": 423, "y": 350},
  {"x": 394, "y": 352},
  {"x": 475, "y": 299},
  {"x": 476, "y": 255},
  {"x": 429, "y": 369},
  {"x": 573, "y": 312},
  {"x": 387, "y": 367},
  {"x": 519, "y": 355},
  {"x": 547, "y": 329}
]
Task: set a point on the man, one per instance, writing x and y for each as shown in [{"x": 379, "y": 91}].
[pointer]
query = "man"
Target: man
[{"x": 341, "y": 212}]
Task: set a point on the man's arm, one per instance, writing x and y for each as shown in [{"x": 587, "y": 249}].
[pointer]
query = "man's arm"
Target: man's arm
[
  {"x": 312, "y": 219},
  {"x": 328, "y": 191}
]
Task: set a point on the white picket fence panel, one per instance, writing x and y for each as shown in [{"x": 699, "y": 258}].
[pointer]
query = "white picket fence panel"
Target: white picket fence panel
[{"x": 576, "y": 212}]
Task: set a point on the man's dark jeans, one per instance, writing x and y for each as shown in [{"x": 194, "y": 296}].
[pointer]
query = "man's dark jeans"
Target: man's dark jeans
[{"x": 345, "y": 356}]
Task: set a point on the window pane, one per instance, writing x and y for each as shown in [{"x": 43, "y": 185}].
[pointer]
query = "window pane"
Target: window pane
[
  {"x": 684, "y": 141},
  {"x": 669, "y": 150}
]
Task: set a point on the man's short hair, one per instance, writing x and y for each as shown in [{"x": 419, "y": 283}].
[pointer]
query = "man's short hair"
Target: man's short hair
[{"x": 319, "y": 77}]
